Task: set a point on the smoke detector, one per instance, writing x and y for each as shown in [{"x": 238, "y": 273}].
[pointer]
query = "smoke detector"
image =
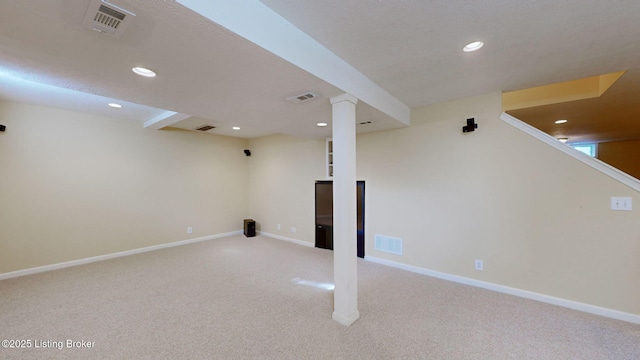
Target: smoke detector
[{"x": 107, "y": 18}]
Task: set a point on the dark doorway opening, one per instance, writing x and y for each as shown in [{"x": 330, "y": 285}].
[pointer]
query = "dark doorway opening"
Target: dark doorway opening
[{"x": 324, "y": 215}]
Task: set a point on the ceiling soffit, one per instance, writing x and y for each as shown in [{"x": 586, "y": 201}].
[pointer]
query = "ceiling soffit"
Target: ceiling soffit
[{"x": 580, "y": 89}]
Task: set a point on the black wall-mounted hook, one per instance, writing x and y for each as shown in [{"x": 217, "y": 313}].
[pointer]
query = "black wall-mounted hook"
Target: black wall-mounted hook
[
  {"x": 2, "y": 128},
  {"x": 471, "y": 126}
]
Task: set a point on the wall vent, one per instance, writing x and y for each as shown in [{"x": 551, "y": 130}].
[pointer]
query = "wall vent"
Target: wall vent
[
  {"x": 107, "y": 18},
  {"x": 388, "y": 244},
  {"x": 205, "y": 128},
  {"x": 300, "y": 98}
]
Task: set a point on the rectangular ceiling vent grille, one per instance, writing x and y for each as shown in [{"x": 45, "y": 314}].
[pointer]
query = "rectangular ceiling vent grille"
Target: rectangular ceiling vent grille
[
  {"x": 107, "y": 18},
  {"x": 205, "y": 128},
  {"x": 300, "y": 98}
]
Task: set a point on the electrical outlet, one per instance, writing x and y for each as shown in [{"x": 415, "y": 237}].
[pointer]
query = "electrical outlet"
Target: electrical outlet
[
  {"x": 293, "y": 230},
  {"x": 479, "y": 265},
  {"x": 189, "y": 230},
  {"x": 278, "y": 226}
]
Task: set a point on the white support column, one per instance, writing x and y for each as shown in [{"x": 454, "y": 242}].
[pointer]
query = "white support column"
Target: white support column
[{"x": 344, "y": 210}]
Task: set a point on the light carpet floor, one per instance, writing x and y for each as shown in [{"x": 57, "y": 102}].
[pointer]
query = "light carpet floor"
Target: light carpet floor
[{"x": 260, "y": 298}]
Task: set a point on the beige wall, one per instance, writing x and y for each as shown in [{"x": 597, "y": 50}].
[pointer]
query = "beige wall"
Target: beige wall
[
  {"x": 74, "y": 186},
  {"x": 283, "y": 171},
  {"x": 624, "y": 155},
  {"x": 539, "y": 219}
]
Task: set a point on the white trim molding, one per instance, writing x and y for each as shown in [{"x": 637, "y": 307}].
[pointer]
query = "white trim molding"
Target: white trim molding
[
  {"x": 89, "y": 260},
  {"x": 603, "y": 167},
  {"x": 278, "y": 237},
  {"x": 587, "y": 308},
  {"x": 345, "y": 320}
]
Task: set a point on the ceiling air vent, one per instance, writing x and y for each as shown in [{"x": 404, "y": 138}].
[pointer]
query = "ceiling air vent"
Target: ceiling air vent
[
  {"x": 107, "y": 18},
  {"x": 300, "y": 98},
  {"x": 205, "y": 128}
]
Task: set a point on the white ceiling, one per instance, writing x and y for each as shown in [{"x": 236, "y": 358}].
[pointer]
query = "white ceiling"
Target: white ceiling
[
  {"x": 414, "y": 48},
  {"x": 411, "y": 49}
]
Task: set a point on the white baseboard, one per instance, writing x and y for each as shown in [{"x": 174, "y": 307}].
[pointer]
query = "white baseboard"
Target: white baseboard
[
  {"x": 591, "y": 309},
  {"x": 63, "y": 265},
  {"x": 279, "y": 237}
]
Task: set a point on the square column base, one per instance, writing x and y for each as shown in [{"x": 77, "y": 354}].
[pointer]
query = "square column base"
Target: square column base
[{"x": 345, "y": 320}]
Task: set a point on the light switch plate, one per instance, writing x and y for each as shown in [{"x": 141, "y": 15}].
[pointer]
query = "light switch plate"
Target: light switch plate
[{"x": 621, "y": 203}]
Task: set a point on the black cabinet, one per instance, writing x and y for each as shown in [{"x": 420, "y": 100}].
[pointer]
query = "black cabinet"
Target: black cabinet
[
  {"x": 324, "y": 216},
  {"x": 324, "y": 236}
]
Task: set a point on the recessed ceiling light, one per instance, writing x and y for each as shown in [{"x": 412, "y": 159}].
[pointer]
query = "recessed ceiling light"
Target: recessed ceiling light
[
  {"x": 143, "y": 71},
  {"x": 563, "y": 140},
  {"x": 322, "y": 124},
  {"x": 235, "y": 128},
  {"x": 561, "y": 121},
  {"x": 473, "y": 46},
  {"x": 114, "y": 105}
]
